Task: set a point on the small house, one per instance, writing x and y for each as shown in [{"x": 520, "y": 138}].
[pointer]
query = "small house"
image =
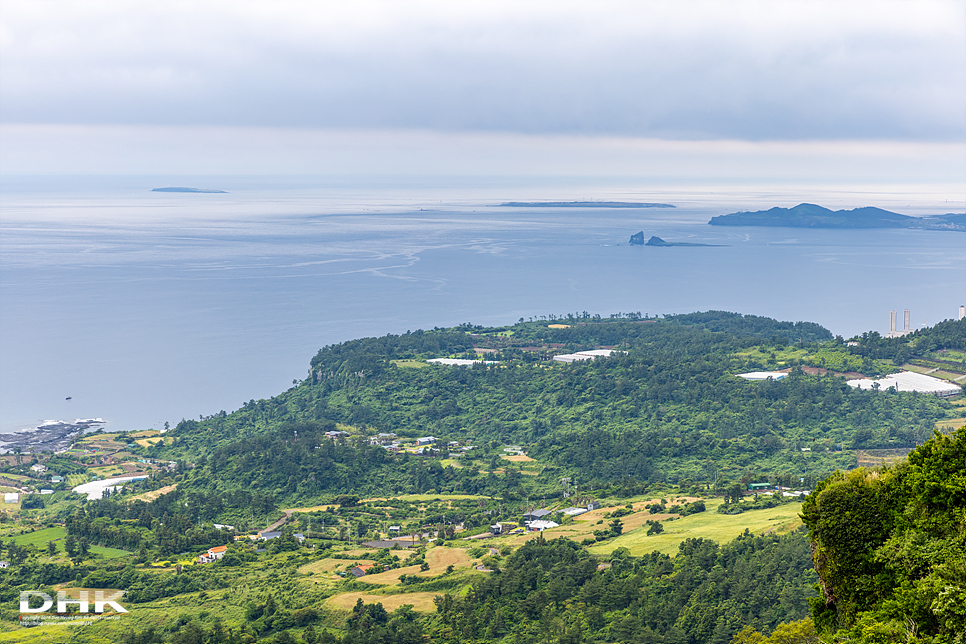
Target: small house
[
  {"x": 426, "y": 440},
  {"x": 593, "y": 505},
  {"x": 300, "y": 537},
  {"x": 757, "y": 487},
  {"x": 213, "y": 554},
  {"x": 394, "y": 529},
  {"x": 357, "y": 571},
  {"x": 38, "y": 468},
  {"x": 11, "y": 497},
  {"x": 46, "y": 491},
  {"x": 265, "y": 536},
  {"x": 496, "y": 529},
  {"x": 56, "y": 479}
]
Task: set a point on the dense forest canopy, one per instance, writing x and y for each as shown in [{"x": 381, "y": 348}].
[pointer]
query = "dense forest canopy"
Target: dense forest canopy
[{"x": 665, "y": 407}]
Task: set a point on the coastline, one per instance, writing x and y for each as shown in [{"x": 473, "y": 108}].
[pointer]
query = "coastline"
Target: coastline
[{"x": 51, "y": 435}]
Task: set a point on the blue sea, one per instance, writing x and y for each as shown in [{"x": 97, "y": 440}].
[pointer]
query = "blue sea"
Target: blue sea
[{"x": 146, "y": 307}]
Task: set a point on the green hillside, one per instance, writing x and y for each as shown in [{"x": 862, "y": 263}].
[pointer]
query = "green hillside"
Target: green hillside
[
  {"x": 666, "y": 407},
  {"x": 654, "y": 431}
]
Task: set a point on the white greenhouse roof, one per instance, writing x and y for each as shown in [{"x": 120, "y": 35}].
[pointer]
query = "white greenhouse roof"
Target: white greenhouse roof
[
  {"x": 542, "y": 525},
  {"x": 910, "y": 381},
  {"x": 460, "y": 362},
  {"x": 584, "y": 355},
  {"x": 762, "y": 375}
]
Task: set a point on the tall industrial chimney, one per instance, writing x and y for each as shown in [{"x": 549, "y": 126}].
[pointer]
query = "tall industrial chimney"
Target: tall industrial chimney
[
  {"x": 905, "y": 320},
  {"x": 892, "y": 321},
  {"x": 962, "y": 312}
]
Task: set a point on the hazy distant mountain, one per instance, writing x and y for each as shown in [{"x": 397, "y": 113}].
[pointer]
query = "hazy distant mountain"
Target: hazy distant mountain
[
  {"x": 179, "y": 189},
  {"x": 583, "y": 204},
  {"x": 808, "y": 215}
]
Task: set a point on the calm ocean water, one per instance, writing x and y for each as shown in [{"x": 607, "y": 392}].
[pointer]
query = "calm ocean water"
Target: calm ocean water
[{"x": 151, "y": 307}]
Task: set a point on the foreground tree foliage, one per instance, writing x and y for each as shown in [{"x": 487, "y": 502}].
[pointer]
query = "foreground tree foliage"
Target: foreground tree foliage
[
  {"x": 890, "y": 548},
  {"x": 555, "y": 591}
]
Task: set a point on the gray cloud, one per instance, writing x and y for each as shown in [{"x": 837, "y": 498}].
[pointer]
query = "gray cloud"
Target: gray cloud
[{"x": 738, "y": 70}]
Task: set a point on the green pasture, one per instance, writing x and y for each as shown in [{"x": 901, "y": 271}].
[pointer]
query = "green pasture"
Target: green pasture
[
  {"x": 708, "y": 525},
  {"x": 412, "y": 364},
  {"x": 41, "y": 537},
  {"x": 58, "y": 534},
  {"x": 108, "y": 553}
]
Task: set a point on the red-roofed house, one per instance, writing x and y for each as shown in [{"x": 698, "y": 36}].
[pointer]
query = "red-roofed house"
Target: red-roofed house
[{"x": 213, "y": 554}]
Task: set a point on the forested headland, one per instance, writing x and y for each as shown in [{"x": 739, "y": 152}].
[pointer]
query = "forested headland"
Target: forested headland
[{"x": 662, "y": 432}]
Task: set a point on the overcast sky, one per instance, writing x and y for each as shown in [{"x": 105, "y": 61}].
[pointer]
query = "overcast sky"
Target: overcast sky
[{"x": 751, "y": 72}]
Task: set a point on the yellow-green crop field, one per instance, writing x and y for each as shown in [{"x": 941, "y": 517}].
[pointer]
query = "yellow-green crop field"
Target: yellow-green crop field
[{"x": 708, "y": 525}]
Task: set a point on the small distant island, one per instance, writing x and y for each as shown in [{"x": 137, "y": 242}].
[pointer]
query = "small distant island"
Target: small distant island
[
  {"x": 807, "y": 215},
  {"x": 637, "y": 239},
  {"x": 170, "y": 189},
  {"x": 582, "y": 204}
]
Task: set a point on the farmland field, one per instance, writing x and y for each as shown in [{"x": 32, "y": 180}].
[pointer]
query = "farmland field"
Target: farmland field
[
  {"x": 438, "y": 559},
  {"x": 328, "y": 566},
  {"x": 709, "y": 525},
  {"x": 422, "y": 602}
]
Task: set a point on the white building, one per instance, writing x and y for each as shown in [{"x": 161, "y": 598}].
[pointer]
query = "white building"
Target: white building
[
  {"x": 909, "y": 381},
  {"x": 542, "y": 525},
  {"x": 11, "y": 497},
  {"x": 573, "y": 512}
]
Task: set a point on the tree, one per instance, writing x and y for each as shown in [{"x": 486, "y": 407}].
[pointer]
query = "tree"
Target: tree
[
  {"x": 70, "y": 545},
  {"x": 616, "y": 527}
]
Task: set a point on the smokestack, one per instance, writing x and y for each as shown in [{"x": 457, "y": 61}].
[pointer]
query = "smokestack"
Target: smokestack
[
  {"x": 892, "y": 321},
  {"x": 962, "y": 312},
  {"x": 905, "y": 320}
]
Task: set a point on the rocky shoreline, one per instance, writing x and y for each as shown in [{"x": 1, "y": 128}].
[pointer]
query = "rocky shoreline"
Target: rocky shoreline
[{"x": 53, "y": 435}]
